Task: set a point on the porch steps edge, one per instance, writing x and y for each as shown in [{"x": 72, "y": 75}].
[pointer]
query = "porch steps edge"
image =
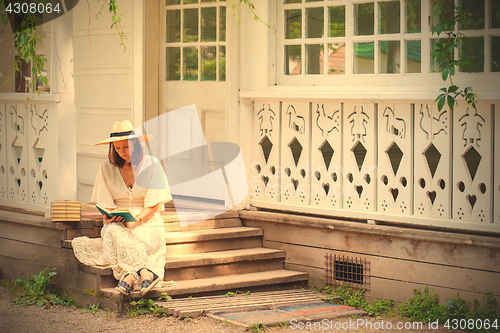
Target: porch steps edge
[{"x": 216, "y": 284}]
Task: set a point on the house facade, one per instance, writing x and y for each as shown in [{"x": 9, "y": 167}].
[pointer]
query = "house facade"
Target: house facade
[{"x": 332, "y": 105}]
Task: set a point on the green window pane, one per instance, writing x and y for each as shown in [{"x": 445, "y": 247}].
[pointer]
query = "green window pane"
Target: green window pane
[
  {"x": 495, "y": 53},
  {"x": 389, "y": 17},
  {"x": 364, "y": 58},
  {"x": 495, "y": 14},
  {"x": 336, "y": 21},
  {"x": 208, "y": 63},
  {"x": 208, "y": 0},
  {"x": 314, "y": 22},
  {"x": 434, "y": 43},
  {"x": 473, "y": 11},
  {"x": 190, "y": 60},
  {"x": 364, "y": 21},
  {"x": 292, "y": 59},
  {"x": 209, "y": 24},
  {"x": 313, "y": 0},
  {"x": 222, "y": 24},
  {"x": 293, "y": 1},
  {"x": 472, "y": 51},
  {"x": 190, "y": 25},
  {"x": 314, "y": 59},
  {"x": 441, "y": 11},
  {"x": 189, "y": 1},
  {"x": 173, "y": 62},
  {"x": 413, "y": 56},
  {"x": 336, "y": 58},
  {"x": 293, "y": 23},
  {"x": 389, "y": 55},
  {"x": 173, "y": 26},
  {"x": 413, "y": 16},
  {"x": 222, "y": 63},
  {"x": 173, "y": 2}
]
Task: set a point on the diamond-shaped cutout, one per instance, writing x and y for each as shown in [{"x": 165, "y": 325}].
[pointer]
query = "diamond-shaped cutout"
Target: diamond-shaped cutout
[
  {"x": 432, "y": 155},
  {"x": 395, "y": 156},
  {"x": 39, "y": 150},
  {"x": 472, "y": 159},
  {"x": 359, "y": 153},
  {"x": 327, "y": 152},
  {"x": 18, "y": 150},
  {"x": 266, "y": 146},
  {"x": 296, "y": 149}
]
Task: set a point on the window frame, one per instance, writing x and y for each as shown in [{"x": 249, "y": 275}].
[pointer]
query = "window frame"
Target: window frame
[
  {"x": 219, "y": 5},
  {"x": 423, "y": 81}
]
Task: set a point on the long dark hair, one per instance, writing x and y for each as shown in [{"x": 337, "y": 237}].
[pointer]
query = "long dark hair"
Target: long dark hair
[{"x": 135, "y": 158}]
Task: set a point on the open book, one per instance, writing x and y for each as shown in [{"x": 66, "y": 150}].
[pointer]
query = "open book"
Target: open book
[{"x": 125, "y": 213}]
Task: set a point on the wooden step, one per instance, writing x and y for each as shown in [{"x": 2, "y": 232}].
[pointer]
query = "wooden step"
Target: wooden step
[
  {"x": 222, "y": 239},
  {"x": 170, "y": 216},
  {"x": 218, "y": 284},
  {"x": 212, "y": 264},
  {"x": 206, "y": 224}
]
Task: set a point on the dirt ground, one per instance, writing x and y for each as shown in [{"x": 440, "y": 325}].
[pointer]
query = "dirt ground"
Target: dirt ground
[{"x": 19, "y": 319}]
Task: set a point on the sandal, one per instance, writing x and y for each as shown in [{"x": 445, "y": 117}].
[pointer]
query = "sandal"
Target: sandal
[
  {"x": 123, "y": 286},
  {"x": 147, "y": 285}
]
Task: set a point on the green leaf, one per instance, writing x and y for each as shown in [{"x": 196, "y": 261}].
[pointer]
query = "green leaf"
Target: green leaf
[
  {"x": 452, "y": 89},
  {"x": 439, "y": 97},
  {"x": 444, "y": 74},
  {"x": 451, "y": 70},
  {"x": 441, "y": 102},
  {"x": 451, "y": 102},
  {"x": 442, "y": 89}
]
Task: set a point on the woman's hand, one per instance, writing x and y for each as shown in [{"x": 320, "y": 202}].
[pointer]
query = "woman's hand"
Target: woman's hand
[{"x": 115, "y": 218}]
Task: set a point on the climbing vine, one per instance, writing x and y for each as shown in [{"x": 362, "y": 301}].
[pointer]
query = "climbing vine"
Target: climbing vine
[
  {"x": 27, "y": 42},
  {"x": 251, "y": 6},
  {"x": 444, "y": 54}
]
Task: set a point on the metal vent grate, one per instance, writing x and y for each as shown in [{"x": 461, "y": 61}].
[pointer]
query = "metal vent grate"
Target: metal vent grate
[{"x": 343, "y": 269}]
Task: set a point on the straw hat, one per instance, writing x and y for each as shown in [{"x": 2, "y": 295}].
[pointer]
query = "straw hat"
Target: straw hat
[{"x": 124, "y": 131}]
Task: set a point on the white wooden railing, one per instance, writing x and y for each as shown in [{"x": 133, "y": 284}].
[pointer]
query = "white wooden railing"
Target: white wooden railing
[
  {"x": 396, "y": 161},
  {"x": 29, "y": 151}
]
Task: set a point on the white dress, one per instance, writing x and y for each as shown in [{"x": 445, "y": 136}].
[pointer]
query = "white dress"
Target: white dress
[{"x": 127, "y": 250}]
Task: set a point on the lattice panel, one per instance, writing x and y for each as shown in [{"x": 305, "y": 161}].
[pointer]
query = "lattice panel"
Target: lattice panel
[
  {"x": 17, "y": 155},
  {"x": 40, "y": 154},
  {"x": 395, "y": 158},
  {"x": 3, "y": 152},
  {"x": 496, "y": 190},
  {"x": 472, "y": 164},
  {"x": 295, "y": 152},
  {"x": 326, "y": 155},
  {"x": 359, "y": 156},
  {"x": 432, "y": 166},
  {"x": 265, "y": 170}
]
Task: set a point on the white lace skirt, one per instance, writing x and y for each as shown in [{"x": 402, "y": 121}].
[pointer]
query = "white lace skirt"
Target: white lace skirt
[{"x": 125, "y": 250}]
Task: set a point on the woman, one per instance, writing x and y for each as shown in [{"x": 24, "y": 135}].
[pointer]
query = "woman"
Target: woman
[{"x": 129, "y": 180}]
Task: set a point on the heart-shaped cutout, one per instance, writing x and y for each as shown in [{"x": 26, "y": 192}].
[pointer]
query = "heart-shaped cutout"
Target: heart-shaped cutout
[
  {"x": 472, "y": 200},
  {"x": 326, "y": 187},
  {"x": 265, "y": 179},
  {"x": 359, "y": 189},
  {"x": 295, "y": 183},
  {"x": 40, "y": 184},
  {"x": 432, "y": 196},
  {"x": 394, "y": 192}
]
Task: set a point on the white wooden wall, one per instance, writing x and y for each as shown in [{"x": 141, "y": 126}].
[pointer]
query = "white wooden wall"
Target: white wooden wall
[{"x": 396, "y": 161}]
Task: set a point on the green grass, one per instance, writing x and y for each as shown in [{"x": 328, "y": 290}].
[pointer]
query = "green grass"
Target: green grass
[
  {"x": 34, "y": 291},
  {"x": 424, "y": 306}
]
